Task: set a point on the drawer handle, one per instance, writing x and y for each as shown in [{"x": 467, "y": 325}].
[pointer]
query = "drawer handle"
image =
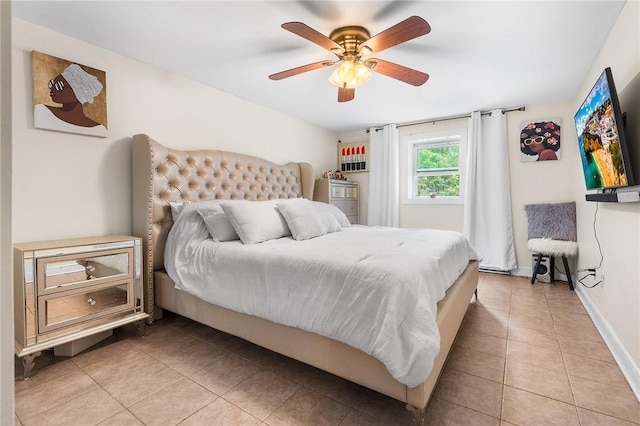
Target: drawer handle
[{"x": 91, "y": 301}]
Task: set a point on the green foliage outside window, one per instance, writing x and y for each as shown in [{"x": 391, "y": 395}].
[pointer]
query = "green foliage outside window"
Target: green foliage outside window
[
  {"x": 438, "y": 158},
  {"x": 433, "y": 165},
  {"x": 443, "y": 186}
]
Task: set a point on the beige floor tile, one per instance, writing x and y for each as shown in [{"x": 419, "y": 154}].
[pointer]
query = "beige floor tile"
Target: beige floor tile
[
  {"x": 615, "y": 401},
  {"x": 577, "y": 325},
  {"x": 538, "y": 380},
  {"x": 131, "y": 389},
  {"x": 289, "y": 368},
  {"x": 481, "y": 326},
  {"x": 332, "y": 386},
  {"x": 88, "y": 409},
  {"x": 470, "y": 391},
  {"x": 491, "y": 345},
  {"x": 161, "y": 338},
  {"x": 47, "y": 395},
  {"x": 535, "y": 355},
  {"x": 51, "y": 370},
  {"x": 565, "y": 305},
  {"x": 190, "y": 358},
  {"x": 489, "y": 314},
  {"x": 477, "y": 363},
  {"x": 123, "y": 418},
  {"x": 442, "y": 412},
  {"x": 492, "y": 301},
  {"x": 375, "y": 404},
  {"x": 111, "y": 362},
  {"x": 591, "y": 418},
  {"x": 254, "y": 353},
  {"x": 261, "y": 394},
  {"x": 591, "y": 369},
  {"x": 164, "y": 408},
  {"x": 220, "y": 412},
  {"x": 585, "y": 348},
  {"x": 546, "y": 339},
  {"x": 224, "y": 372},
  {"x": 308, "y": 407},
  {"x": 533, "y": 320},
  {"x": 358, "y": 418},
  {"x": 528, "y": 409}
]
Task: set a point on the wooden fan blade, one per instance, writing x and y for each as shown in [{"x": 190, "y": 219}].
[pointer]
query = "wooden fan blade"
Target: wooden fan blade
[
  {"x": 407, "y": 75},
  {"x": 406, "y": 30},
  {"x": 346, "y": 95},
  {"x": 312, "y": 35},
  {"x": 300, "y": 70}
]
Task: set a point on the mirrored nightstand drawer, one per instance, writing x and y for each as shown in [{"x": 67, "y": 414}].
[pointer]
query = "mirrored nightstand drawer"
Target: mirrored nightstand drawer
[
  {"x": 84, "y": 304},
  {"x": 60, "y": 273}
]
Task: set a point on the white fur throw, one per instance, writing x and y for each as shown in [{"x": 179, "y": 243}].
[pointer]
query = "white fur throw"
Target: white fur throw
[
  {"x": 553, "y": 247},
  {"x": 556, "y": 221}
]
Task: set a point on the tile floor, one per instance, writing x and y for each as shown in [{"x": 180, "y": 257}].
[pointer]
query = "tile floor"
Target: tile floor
[{"x": 526, "y": 355}]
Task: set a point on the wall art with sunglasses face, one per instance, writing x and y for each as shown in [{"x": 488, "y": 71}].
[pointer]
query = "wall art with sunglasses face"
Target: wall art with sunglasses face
[
  {"x": 540, "y": 140},
  {"x": 68, "y": 97}
]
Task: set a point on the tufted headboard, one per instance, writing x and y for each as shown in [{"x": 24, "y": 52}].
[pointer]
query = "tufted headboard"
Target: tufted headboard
[{"x": 162, "y": 175}]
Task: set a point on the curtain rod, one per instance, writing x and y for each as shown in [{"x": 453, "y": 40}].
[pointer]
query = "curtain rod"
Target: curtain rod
[{"x": 454, "y": 117}]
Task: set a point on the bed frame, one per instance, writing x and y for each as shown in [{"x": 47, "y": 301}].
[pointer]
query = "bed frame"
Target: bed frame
[{"x": 162, "y": 175}]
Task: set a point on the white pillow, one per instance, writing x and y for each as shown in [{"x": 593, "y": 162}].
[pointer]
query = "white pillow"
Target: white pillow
[
  {"x": 256, "y": 221},
  {"x": 330, "y": 222},
  {"x": 336, "y": 212},
  {"x": 176, "y": 208},
  {"x": 217, "y": 221},
  {"x": 305, "y": 221}
]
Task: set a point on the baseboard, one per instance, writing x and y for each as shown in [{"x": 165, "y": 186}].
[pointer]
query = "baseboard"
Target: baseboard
[{"x": 630, "y": 369}]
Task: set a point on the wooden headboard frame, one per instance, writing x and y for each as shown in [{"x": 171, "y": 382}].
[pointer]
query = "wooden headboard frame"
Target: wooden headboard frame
[{"x": 162, "y": 175}]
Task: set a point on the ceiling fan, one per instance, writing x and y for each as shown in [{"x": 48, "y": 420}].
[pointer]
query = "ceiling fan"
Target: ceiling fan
[{"x": 350, "y": 44}]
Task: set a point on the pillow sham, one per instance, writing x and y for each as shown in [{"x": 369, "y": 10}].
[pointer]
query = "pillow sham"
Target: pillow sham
[
  {"x": 336, "y": 212},
  {"x": 256, "y": 221},
  {"x": 217, "y": 221},
  {"x": 304, "y": 221},
  {"x": 176, "y": 208}
]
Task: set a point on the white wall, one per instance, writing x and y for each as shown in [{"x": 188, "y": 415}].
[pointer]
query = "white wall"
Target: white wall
[
  {"x": 69, "y": 185},
  {"x": 540, "y": 181},
  {"x": 618, "y": 225},
  {"x": 6, "y": 264}
]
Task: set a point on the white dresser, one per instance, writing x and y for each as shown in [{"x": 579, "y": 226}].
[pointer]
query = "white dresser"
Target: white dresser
[{"x": 342, "y": 194}]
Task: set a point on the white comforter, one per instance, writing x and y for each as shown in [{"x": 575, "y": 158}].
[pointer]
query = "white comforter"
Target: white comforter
[{"x": 373, "y": 288}]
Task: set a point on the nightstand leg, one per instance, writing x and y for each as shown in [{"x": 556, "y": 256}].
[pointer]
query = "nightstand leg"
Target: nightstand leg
[{"x": 28, "y": 362}]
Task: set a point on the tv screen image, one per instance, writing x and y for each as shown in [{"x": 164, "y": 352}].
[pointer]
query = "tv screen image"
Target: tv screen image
[{"x": 601, "y": 140}]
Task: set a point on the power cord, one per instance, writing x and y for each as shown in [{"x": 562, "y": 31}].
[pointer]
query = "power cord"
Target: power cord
[{"x": 592, "y": 271}]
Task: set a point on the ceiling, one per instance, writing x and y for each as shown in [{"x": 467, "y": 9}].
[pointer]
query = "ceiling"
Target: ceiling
[{"x": 479, "y": 54}]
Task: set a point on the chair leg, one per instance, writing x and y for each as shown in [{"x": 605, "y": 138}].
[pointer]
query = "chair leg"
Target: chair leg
[
  {"x": 567, "y": 271},
  {"x": 535, "y": 268}
]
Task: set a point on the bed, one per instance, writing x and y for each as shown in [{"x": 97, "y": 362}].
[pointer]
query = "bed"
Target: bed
[{"x": 163, "y": 177}]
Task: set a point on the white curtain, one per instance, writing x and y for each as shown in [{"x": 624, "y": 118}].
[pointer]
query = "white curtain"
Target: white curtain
[
  {"x": 384, "y": 147},
  {"x": 487, "y": 209}
]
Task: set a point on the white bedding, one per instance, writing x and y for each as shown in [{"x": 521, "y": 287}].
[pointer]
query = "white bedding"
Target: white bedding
[{"x": 373, "y": 288}]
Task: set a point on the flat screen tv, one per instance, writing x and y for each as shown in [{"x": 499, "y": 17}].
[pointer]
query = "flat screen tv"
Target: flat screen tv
[{"x": 603, "y": 147}]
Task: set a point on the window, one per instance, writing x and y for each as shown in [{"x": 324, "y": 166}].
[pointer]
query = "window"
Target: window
[{"x": 435, "y": 163}]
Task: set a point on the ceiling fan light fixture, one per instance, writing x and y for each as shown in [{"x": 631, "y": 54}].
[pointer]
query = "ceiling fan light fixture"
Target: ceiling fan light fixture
[{"x": 350, "y": 75}]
